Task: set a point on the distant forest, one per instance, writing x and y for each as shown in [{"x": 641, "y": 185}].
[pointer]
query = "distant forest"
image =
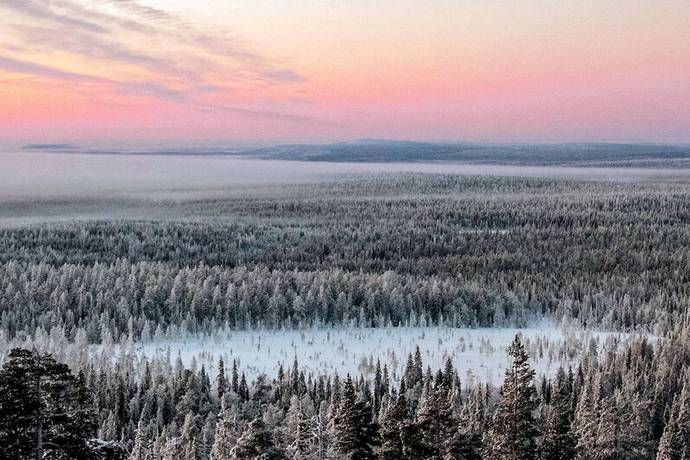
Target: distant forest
[
  {"x": 394, "y": 249},
  {"x": 585, "y": 154}
]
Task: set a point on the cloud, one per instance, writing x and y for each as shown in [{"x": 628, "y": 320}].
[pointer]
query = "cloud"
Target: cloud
[
  {"x": 150, "y": 89},
  {"x": 46, "y": 39},
  {"x": 45, "y": 12},
  {"x": 153, "y": 89},
  {"x": 216, "y": 42},
  {"x": 38, "y": 70},
  {"x": 142, "y": 11},
  {"x": 71, "y": 8},
  {"x": 167, "y": 57},
  {"x": 283, "y": 75},
  {"x": 265, "y": 114}
]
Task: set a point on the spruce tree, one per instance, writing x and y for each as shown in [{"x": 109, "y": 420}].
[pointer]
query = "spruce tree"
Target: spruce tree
[
  {"x": 221, "y": 380},
  {"x": 227, "y": 433},
  {"x": 437, "y": 424},
  {"x": 189, "y": 437},
  {"x": 513, "y": 430},
  {"x": 586, "y": 419},
  {"x": 257, "y": 442},
  {"x": 414, "y": 445},
  {"x": 143, "y": 444},
  {"x": 355, "y": 434},
  {"x": 243, "y": 389},
  {"x": 392, "y": 424},
  {"x": 472, "y": 424},
  {"x": 623, "y": 430},
  {"x": 235, "y": 384},
  {"x": 671, "y": 445},
  {"x": 558, "y": 441},
  {"x": 297, "y": 429},
  {"x": 44, "y": 410}
]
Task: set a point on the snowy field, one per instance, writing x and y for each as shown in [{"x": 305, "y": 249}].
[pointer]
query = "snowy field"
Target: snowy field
[{"x": 478, "y": 354}]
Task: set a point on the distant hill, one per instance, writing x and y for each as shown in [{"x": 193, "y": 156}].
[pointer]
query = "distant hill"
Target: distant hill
[
  {"x": 385, "y": 151},
  {"x": 372, "y": 150},
  {"x": 48, "y": 147}
]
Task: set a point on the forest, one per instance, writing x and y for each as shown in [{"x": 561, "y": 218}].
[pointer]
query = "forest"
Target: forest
[
  {"x": 365, "y": 251},
  {"x": 579, "y": 154}
]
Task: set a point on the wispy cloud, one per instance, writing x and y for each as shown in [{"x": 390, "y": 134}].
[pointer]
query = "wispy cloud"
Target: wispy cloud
[
  {"x": 273, "y": 115},
  {"x": 48, "y": 38},
  {"x": 144, "y": 12},
  {"x": 283, "y": 76},
  {"x": 154, "y": 89},
  {"x": 218, "y": 42},
  {"x": 164, "y": 56},
  {"x": 42, "y": 71},
  {"x": 44, "y": 11}
]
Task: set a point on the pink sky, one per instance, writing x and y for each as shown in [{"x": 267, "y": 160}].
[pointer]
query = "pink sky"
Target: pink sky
[{"x": 172, "y": 71}]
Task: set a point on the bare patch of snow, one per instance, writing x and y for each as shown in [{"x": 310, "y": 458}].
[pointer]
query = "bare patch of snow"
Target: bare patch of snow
[{"x": 478, "y": 354}]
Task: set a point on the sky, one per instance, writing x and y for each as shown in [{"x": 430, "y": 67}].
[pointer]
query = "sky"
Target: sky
[{"x": 180, "y": 72}]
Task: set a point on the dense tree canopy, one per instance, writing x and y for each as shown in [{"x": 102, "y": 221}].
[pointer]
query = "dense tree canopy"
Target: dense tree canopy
[{"x": 393, "y": 249}]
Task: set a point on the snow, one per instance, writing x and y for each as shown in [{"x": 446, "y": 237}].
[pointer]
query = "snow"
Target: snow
[{"x": 478, "y": 354}]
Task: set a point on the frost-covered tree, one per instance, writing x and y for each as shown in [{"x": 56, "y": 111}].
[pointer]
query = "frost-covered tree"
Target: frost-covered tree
[
  {"x": 672, "y": 445},
  {"x": 143, "y": 444},
  {"x": 392, "y": 424},
  {"x": 228, "y": 431},
  {"x": 437, "y": 424},
  {"x": 43, "y": 411},
  {"x": 221, "y": 380},
  {"x": 257, "y": 442},
  {"x": 513, "y": 430},
  {"x": 354, "y": 433},
  {"x": 189, "y": 445},
  {"x": 558, "y": 441}
]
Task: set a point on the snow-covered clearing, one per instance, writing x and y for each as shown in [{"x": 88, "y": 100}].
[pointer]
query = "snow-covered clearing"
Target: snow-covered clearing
[{"x": 478, "y": 354}]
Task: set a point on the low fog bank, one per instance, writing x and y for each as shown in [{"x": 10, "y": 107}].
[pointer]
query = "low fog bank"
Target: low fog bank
[{"x": 43, "y": 175}]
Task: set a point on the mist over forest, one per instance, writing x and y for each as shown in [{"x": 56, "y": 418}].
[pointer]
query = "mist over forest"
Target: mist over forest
[{"x": 41, "y": 173}]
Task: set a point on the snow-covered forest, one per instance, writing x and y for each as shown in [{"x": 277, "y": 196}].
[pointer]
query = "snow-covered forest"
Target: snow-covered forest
[{"x": 391, "y": 316}]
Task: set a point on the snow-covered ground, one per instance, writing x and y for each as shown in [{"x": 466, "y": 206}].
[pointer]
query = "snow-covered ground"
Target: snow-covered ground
[{"x": 479, "y": 354}]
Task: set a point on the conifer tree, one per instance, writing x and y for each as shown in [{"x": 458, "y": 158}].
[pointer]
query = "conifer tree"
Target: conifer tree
[
  {"x": 355, "y": 434},
  {"x": 43, "y": 409},
  {"x": 227, "y": 432},
  {"x": 257, "y": 442},
  {"x": 437, "y": 424},
  {"x": 472, "y": 424},
  {"x": 623, "y": 428},
  {"x": 143, "y": 444},
  {"x": 207, "y": 436},
  {"x": 235, "y": 377},
  {"x": 392, "y": 424},
  {"x": 586, "y": 419},
  {"x": 513, "y": 429},
  {"x": 672, "y": 445},
  {"x": 221, "y": 380},
  {"x": 321, "y": 431},
  {"x": 557, "y": 441},
  {"x": 298, "y": 430},
  {"x": 188, "y": 437}
]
